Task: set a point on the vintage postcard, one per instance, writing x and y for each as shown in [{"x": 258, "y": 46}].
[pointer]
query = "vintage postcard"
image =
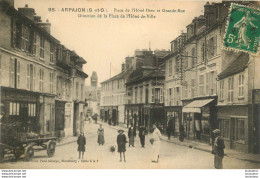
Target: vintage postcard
[{"x": 107, "y": 84}]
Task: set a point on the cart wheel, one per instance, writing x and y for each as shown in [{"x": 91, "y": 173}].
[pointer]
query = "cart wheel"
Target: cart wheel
[
  {"x": 18, "y": 152},
  {"x": 51, "y": 148},
  {"x": 2, "y": 153},
  {"x": 28, "y": 153}
]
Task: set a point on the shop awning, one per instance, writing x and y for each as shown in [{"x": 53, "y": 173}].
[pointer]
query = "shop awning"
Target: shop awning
[{"x": 195, "y": 106}]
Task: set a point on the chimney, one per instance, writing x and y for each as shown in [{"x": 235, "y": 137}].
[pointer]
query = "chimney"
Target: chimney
[
  {"x": 28, "y": 12},
  {"x": 128, "y": 62},
  {"x": 37, "y": 19},
  {"x": 10, "y": 2},
  {"x": 45, "y": 25},
  {"x": 123, "y": 67}
]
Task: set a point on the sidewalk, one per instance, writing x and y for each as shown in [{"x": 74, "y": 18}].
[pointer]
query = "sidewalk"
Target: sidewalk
[
  {"x": 254, "y": 158},
  {"x": 66, "y": 140}
]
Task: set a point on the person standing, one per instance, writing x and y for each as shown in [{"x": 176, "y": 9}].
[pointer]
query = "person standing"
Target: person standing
[
  {"x": 169, "y": 128},
  {"x": 218, "y": 149},
  {"x": 121, "y": 142},
  {"x": 81, "y": 144},
  {"x": 131, "y": 135},
  {"x": 100, "y": 132},
  {"x": 142, "y": 133},
  {"x": 156, "y": 137},
  {"x": 182, "y": 133}
]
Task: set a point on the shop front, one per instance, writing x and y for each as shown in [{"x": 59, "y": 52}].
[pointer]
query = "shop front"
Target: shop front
[
  {"x": 199, "y": 119},
  {"x": 134, "y": 115},
  {"x": 27, "y": 111},
  {"x": 173, "y": 114},
  {"x": 155, "y": 116},
  {"x": 234, "y": 126},
  {"x": 60, "y": 118}
]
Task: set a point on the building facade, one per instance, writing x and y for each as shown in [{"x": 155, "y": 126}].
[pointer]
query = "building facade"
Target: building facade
[
  {"x": 145, "y": 90},
  {"x": 113, "y": 96},
  {"x": 197, "y": 82},
  {"x": 29, "y": 73}
]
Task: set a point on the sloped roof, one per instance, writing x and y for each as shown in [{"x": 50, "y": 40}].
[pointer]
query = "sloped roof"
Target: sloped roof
[
  {"x": 119, "y": 76},
  {"x": 238, "y": 65},
  {"x": 143, "y": 74}
]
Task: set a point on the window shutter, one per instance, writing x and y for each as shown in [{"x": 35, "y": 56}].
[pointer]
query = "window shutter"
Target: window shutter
[
  {"x": 34, "y": 78},
  {"x": 153, "y": 95},
  {"x": 161, "y": 97},
  {"x": 11, "y": 72},
  {"x": 13, "y": 32},
  {"x": 18, "y": 74},
  {"x": 28, "y": 77}
]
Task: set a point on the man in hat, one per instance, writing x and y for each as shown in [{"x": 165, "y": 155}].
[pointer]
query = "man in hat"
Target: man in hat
[
  {"x": 218, "y": 149},
  {"x": 132, "y": 135},
  {"x": 121, "y": 142},
  {"x": 81, "y": 144},
  {"x": 142, "y": 133}
]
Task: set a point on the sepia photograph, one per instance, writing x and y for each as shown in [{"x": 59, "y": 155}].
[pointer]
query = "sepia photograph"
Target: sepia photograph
[{"x": 110, "y": 84}]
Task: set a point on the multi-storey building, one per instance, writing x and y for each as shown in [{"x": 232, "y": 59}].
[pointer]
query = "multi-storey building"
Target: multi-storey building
[
  {"x": 194, "y": 66},
  {"x": 145, "y": 90},
  {"x": 113, "y": 96},
  {"x": 238, "y": 102},
  {"x": 196, "y": 59},
  {"x": 174, "y": 79},
  {"x": 29, "y": 74}
]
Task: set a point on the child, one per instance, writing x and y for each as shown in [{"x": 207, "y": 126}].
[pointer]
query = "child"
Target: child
[{"x": 121, "y": 142}]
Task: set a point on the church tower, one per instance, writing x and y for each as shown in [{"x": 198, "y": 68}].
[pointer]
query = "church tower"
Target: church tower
[{"x": 94, "y": 79}]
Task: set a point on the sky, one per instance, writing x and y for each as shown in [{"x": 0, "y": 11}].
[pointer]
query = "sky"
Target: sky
[{"x": 101, "y": 41}]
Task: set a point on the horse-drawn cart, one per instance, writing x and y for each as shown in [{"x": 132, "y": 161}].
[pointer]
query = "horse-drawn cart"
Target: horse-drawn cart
[
  {"x": 20, "y": 144},
  {"x": 27, "y": 148}
]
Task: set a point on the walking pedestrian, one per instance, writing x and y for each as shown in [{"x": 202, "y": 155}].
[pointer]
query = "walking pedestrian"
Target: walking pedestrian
[
  {"x": 100, "y": 132},
  {"x": 142, "y": 133},
  {"x": 131, "y": 135},
  {"x": 121, "y": 142},
  {"x": 156, "y": 144},
  {"x": 81, "y": 144},
  {"x": 218, "y": 149}
]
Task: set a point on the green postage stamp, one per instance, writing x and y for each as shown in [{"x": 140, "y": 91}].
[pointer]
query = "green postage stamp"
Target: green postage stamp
[{"x": 243, "y": 29}]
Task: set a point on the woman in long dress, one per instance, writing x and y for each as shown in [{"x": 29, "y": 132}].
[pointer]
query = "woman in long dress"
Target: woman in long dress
[
  {"x": 156, "y": 144},
  {"x": 101, "y": 139}
]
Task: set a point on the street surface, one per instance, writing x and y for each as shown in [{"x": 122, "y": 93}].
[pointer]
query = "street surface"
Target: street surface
[{"x": 172, "y": 156}]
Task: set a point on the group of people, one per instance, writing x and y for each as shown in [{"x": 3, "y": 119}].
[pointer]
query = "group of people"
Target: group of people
[
  {"x": 217, "y": 147},
  {"x": 155, "y": 141},
  {"x": 82, "y": 140},
  {"x": 121, "y": 139}
]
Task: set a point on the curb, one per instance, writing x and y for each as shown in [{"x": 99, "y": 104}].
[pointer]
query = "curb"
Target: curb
[
  {"x": 66, "y": 143},
  {"x": 198, "y": 148},
  {"x": 209, "y": 151}
]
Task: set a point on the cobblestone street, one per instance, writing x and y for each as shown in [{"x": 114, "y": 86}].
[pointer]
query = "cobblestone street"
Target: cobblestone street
[{"x": 172, "y": 156}]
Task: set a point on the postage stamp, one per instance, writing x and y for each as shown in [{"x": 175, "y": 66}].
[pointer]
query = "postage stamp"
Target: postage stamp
[{"x": 243, "y": 29}]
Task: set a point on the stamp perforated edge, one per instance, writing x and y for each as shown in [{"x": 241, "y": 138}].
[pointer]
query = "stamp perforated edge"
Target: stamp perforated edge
[{"x": 227, "y": 24}]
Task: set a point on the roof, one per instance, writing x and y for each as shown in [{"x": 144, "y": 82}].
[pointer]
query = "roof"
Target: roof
[
  {"x": 77, "y": 58},
  {"x": 143, "y": 74},
  {"x": 161, "y": 54},
  {"x": 238, "y": 65},
  {"x": 13, "y": 12},
  {"x": 119, "y": 76}
]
